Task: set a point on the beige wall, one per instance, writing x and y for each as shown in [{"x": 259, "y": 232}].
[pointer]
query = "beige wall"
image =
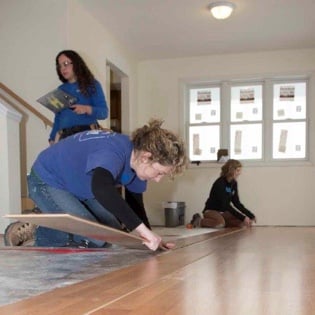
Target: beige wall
[
  {"x": 279, "y": 195},
  {"x": 98, "y": 46},
  {"x": 32, "y": 32}
]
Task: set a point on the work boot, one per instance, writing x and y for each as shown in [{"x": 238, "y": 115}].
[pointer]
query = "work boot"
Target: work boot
[
  {"x": 20, "y": 234},
  {"x": 211, "y": 223},
  {"x": 195, "y": 221}
]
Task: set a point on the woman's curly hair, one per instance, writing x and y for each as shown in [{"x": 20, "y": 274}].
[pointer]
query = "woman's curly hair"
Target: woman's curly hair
[
  {"x": 85, "y": 78},
  {"x": 228, "y": 169},
  {"x": 165, "y": 147}
]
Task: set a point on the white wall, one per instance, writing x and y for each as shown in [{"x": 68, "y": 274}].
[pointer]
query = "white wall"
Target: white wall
[
  {"x": 277, "y": 195},
  {"x": 32, "y": 33},
  {"x": 96, "y": 44}
]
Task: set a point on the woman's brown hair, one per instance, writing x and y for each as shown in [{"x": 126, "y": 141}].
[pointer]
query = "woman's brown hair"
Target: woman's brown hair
[
  {"x": 228, "y": 169},
  {"x": 165, "y": 147},
  {"x": 83, "y": 74}
]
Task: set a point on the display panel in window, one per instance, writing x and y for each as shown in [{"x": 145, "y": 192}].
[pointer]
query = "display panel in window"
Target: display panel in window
[
  {"x": 246, "y": 141},
  {"x": 204, "y": 105},
  {"x": 289, "y": 101},
  {"x": 289, "y": 140},
  {"x": 246, "y": 103},
  {"x": 204, "y": 142}
]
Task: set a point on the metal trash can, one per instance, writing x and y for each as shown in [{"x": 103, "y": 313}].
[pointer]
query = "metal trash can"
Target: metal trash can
[{"x": 174, "y": 213}]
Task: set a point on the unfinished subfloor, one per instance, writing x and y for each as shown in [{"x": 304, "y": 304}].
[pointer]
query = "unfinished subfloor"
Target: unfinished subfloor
[{"x": 28, "y": 272}]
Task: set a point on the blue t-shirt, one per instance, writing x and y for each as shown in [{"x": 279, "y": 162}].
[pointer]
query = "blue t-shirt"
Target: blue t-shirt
[
  {"x": 68, "y": 118},
  {"x": 68, "y": 164}
]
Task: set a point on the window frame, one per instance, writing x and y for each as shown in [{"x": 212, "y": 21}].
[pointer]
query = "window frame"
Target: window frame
[{"x": 267, "y": 121}]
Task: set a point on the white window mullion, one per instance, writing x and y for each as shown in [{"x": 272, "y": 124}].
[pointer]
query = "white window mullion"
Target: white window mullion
[
  {"x": 267, "y": 120},
  {"x": 225, "y": 116}
]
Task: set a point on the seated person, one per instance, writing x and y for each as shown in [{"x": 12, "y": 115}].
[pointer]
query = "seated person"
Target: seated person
[{"x": 223, "y": 207}]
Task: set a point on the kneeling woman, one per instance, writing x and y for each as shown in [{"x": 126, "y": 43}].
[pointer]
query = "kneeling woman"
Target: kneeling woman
[
  {"x": 79, "y": 176},
  {"x": 223, "y": 207}
]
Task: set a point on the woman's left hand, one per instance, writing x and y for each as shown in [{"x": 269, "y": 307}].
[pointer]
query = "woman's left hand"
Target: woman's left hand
[
  {"x": 166, "y": 246},
  {"x": 81, "y": 109}
]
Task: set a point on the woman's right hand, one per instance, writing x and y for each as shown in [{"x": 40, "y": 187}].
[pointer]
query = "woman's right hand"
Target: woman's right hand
[
  {"x": 167, "y": 246},
  {"x": 249, "y": 222},
  {"x": 151, "y": 240}
]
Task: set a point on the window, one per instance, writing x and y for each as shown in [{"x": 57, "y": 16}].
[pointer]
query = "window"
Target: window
[
  {"x": 255, "y": 120},
  {"x": 204, "y": 117},
  {"x": 246, "y": 122},
  {"x": 289, "y": 120}
]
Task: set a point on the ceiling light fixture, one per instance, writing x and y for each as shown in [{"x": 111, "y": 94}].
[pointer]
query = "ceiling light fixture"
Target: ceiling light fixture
[{"x": 221, "y": 9}]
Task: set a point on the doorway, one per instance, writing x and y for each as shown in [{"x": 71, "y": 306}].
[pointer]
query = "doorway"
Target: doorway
[
  {"x": 117, "y": 91},
  {"x": 118, "y": 98},
  {"x": 115, "y": 102}
]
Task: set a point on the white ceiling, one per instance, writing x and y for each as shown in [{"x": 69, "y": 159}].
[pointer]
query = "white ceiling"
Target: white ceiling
[{"x": 155, "y": 29}]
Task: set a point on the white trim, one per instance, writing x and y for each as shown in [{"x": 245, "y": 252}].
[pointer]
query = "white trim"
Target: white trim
[{"x": 8, "y": 111}]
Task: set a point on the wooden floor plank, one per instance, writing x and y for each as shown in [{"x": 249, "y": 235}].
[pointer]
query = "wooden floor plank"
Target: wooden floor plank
[
  {"x": 244, "y": 285},
  {"x": 258, "y": 271}
]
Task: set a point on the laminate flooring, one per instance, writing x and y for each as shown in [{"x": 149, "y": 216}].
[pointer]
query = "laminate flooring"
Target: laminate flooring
[{"x": 256, "y": 271}]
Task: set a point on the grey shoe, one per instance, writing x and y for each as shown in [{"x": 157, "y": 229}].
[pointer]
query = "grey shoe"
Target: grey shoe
[
  {"x": 85, "y": 244},
  {"x": 20, "y": 234},
  {"x": 31, "y": 211}
]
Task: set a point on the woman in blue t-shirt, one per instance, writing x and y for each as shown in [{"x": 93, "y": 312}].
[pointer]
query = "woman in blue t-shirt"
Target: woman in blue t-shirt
[
  {"x": 79, "y": 82},
  {"x": 79, "y": 176}
]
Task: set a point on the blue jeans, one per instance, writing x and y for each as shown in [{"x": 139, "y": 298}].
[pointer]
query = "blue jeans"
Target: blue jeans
[{"x": 53, "y": 200}]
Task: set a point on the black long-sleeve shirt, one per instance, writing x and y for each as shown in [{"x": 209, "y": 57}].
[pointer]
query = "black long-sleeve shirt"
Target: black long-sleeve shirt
[
  {"x": 131, "y": 211},
  {"x": 222, "y": 195}
]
